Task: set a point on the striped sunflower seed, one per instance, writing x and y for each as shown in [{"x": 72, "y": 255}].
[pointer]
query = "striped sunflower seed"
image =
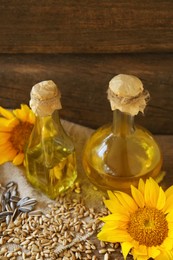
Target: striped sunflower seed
[
  {"x": 10, "y": 184},
  {"x": 29, "y": 202},
  {"x": 21, "y": 201},
  {"x": 6, "y": 213},
  {"x": 25, "y": 209},
  {"x": 12, "y": 205},
  {"x": 14, "y": 199}
]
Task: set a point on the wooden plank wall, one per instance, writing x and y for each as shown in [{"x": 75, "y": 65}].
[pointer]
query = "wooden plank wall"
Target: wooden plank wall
[{"x": 81, "y": 45}]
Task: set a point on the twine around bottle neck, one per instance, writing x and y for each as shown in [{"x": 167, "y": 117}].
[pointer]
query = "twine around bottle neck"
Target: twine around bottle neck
[{"x": 45, "y": 107}]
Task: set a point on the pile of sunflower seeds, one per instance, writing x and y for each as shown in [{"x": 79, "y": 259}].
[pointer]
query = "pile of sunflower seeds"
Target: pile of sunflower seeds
[
  {"x": 67, "y": 231},
  {"x": 12, "y": 205}
]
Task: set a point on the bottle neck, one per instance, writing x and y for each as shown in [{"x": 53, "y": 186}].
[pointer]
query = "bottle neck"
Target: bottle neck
[
  {"x": 45, "y": 119},
  {"x": 123, "y": 124},
  {"x": 48, "y": 125}
]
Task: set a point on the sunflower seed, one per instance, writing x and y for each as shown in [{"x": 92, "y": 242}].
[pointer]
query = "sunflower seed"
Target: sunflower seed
[
  {"x": 3, "y": 204},
  {"x": 2, "y": 219},
  {"x": 106, "y": 256},
  {"x": 14, "y": 187},
  {"x": 7, "y": 207},
  {"x": 14, "y": 192},
  {"x": 14, "y": 199},
  {"x": 14, "y": 213},
  {"x": 35, "y": 213},
  {"x": 8, "y": 219},
  {"x": 6, "y": 213},
  {"x": 25, "y": 209},
  {"x": 21, "y": 201},
  {"x": 10, "y": 184},
  {"x": 2, "y": 187},
  {"x": 12, "y": 205},
  {"x": 29, "y": 202},
  {"x": 7, "y": 195}
]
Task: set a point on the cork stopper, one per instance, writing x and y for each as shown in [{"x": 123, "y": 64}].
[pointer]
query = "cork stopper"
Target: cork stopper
[
  {"x": 126, "y": 93},
  {"x": 45, "y": 98}
]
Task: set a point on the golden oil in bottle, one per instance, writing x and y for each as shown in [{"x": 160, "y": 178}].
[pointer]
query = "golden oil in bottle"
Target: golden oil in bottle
[
  {"x": 50, "y": 157},
  {"x": 119, "y": 154},
  {"x": 116, "y": 161},
  {"x": 52, "y": 169}
]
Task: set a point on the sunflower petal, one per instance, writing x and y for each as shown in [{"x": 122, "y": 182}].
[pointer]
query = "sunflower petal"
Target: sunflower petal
[
  {"x": 115, "y": 235},
  {"x": 126, "y": 246},
  {"x": 115, "y": 207},
  {"x": 112, "y": 225},
  {"x": 6, "y": 113},
  {"x": 115, "y": 216},
  {"x": 111, "y": 195},
  {"x": 153, "y": 252},
  {"x": 7, "y": 154},
  {"x": 141, "y": 186},
  {"x": 6, "y": 125},
  {"x": 23, "y": 113},
  {"x": 151, "y": 192},
  {"x": 5, "y": 148},
  {"x": 4, "y": 137},
  {"x": 165, "y": 255},
  {"x": 137, "y": 196},
  {"x": 169, "y": 191},
  {"x": 140, "y": 252},
  {"x": 169, "y": 217},
  {"x": 126, "y": 201},
  {"x": 168, "y": 204},
  {"x": 161, "y": 199},
  {"x": 170, "y": 232},
  {"x": 167, "y": 244},
  {"x": 142, "y": 257},
  {"x": 18, "y": 159},
  {"x": 31, "y": 118}
]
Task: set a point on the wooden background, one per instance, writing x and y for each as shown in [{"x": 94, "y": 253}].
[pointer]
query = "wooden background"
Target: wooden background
[{"x": 81, "y": 45}]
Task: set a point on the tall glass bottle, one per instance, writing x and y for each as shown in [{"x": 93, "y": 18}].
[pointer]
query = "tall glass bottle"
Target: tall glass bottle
[
  {"x": 118, "y": 154},
  {"x": 50, "y": 155}
]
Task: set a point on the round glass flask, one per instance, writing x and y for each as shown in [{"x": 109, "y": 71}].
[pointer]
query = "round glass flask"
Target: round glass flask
[{"x": 118, "y": 154}]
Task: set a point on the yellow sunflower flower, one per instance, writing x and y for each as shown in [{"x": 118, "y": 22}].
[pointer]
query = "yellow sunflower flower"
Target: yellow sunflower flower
[
  {"x": 15, "y": 128},
  {"x": 142, "y": 222}
]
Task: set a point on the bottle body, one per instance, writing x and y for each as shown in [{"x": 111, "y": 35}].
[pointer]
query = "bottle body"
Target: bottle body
[
  {"x": 50, "y": 157},
  {"x": 117, "y": 155}
]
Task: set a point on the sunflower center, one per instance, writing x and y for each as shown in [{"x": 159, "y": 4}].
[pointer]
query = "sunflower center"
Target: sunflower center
[
  {"x": 20, "y": 135},
  {"x": 148, "y": 226}
]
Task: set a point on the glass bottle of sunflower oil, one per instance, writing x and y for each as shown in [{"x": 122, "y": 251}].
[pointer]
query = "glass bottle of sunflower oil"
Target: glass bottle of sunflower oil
[
  {"x": 118, "y": 154},
  {"x": 50, "y": 155}
]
